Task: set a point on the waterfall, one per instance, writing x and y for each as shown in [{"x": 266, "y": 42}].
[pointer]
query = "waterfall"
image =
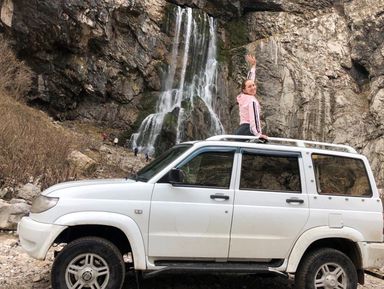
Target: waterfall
[{"x": 191, "y": 76}]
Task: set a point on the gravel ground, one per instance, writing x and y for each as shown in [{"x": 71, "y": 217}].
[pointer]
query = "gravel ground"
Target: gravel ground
[{"x": 19, "y": 271}]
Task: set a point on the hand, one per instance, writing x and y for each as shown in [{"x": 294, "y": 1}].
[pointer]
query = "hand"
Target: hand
[
  {"x": 251, "y": 59},
  {"x": 263, "y": 138}
]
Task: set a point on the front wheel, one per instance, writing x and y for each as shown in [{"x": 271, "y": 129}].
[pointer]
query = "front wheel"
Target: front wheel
[
  {"x": 326, "y": 269},
  {"x": 89, "y": 262}
]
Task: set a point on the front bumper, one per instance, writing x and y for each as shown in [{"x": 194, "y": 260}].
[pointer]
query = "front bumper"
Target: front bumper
[
  {"x": 36, "y": 238},
  {"x": 372, "y": 255}
]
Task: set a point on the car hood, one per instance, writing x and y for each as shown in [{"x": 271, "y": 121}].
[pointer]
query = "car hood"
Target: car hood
[{"x": 77, "y": 184}]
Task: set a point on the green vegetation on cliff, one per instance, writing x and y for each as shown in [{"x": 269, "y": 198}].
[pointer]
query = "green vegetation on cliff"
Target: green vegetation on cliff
[{"x": 236, "y": 36}]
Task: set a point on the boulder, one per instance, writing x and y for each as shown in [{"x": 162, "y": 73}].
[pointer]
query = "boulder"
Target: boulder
[
  {"x": 5, "y": 193},
  {"x": 12, "y": 212},
  {"x": 28, "y": 192},
  {"x": 81, "y": 163}
]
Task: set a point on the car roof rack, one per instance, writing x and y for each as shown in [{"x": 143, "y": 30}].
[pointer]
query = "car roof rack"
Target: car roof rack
[{"x": 286, "y": 142}]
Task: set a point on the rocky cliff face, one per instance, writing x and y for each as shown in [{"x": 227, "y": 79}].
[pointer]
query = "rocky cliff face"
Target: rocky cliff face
[
  {"x": 320, "y": 63},
  {"x": 320, "y": 69},
  {"x": 320, "y": 72},
  {"x": 93, "y": 60}
]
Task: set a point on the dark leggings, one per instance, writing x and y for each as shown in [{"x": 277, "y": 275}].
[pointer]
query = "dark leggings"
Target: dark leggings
[{"x": 244, "y": 129}]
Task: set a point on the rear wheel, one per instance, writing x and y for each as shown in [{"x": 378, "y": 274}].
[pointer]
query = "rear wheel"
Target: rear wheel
[
  {"x": 89, "y": 262},
  {"x": 326, "y": 269}
]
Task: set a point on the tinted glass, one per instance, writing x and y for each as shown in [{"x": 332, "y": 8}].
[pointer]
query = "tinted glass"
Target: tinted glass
[
  {"x": 340, "y": 176},
  {"x": 270, "y": 173},
  {"x": 161, "y": 162},
  {"x": 209, "y": 169}
]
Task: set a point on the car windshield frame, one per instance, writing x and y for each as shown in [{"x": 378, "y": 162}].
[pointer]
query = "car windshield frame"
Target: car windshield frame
[{"x": 158, "y": 164}]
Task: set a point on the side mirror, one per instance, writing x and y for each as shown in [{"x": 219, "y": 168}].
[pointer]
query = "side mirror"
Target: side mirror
[{"x": 175, "y": 176}]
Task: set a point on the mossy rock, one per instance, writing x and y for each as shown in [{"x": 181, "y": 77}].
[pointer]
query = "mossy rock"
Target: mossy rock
[
  {"x": 237, "y": 32},
  {"x": 170, "y": 120},
  {"x": 223, "y": 53},
  {"x": 167, "y": 136},
  {"x": 168, "y": 22},
  {"x": 187, "y": 105}
]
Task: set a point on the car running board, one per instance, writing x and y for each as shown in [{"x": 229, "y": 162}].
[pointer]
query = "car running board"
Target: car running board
[{"x": 216, "y": 267}]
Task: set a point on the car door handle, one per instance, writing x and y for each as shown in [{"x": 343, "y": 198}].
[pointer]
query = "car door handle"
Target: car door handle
[
  {"x": 222, "y": 197},
  {"x": 294, "y": 200}
]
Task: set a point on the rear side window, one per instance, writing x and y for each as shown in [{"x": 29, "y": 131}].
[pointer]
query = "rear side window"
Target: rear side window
[
  {"x": 337, "y": 175},
  {"x": 270, "y": 173}
]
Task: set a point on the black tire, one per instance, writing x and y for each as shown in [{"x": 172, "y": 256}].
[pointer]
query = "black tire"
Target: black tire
[
  {"x": 89, "y": 261},
  {"x": 329, "y": 267}
]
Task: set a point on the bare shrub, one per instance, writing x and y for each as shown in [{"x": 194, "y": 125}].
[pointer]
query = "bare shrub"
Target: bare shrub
[
  {"x": 32, "y": 146},
  {"x": 15, "y": 76}
]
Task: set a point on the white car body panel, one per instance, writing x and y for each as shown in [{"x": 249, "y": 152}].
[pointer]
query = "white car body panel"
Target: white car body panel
[
  {"x": 318, "y": 233},
  {"x": 36, "y": 238},
  {"x": 120, "y": 197},
  {"x": 126, "y": 224},
  {"x": 372, "y": 255},
  {"x": 186, "y": 222},
  {"x": 258, "y": 214}
]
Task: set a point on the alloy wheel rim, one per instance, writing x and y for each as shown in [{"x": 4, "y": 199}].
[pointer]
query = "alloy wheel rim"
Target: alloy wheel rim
[
  {"x": 87, "y": 271},
  {"x": 331, "y": 276}
]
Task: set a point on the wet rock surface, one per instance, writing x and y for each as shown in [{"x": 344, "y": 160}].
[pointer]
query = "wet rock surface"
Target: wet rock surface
[{"x": 19, "y": 271}]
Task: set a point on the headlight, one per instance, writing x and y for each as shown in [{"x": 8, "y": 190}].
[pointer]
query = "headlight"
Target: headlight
[{"x": 43, "y": 203}]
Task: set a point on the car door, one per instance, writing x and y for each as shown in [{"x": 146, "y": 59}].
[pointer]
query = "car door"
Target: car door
[
  {"x": 271, "y": 205},
  {"x": 192, "y": 219}
]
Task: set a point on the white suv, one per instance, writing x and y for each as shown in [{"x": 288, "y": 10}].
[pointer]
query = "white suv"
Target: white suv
[{"x": 226, "y": 204}]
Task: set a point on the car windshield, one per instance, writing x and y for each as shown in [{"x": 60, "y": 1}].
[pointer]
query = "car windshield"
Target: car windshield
[{"x": 161, "y": 162}]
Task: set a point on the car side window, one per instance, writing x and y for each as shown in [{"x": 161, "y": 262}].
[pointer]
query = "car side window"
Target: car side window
[
  {"x": 209, "y": 169},
  {"x": 270, "y": 173},
  {"x": 337, "y": 175}
]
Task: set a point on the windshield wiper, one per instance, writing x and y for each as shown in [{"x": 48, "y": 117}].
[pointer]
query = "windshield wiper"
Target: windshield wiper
[
  {"x": 136, "y": 177},
  {"x": 133, "y": 176}
]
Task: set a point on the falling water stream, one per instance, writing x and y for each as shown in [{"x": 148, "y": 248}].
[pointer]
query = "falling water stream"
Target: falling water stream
[{"x": 191, "y": 74}]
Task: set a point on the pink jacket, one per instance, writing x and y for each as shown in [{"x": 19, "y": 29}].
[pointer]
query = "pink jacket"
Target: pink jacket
[{"x": 249, "y": 108}]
